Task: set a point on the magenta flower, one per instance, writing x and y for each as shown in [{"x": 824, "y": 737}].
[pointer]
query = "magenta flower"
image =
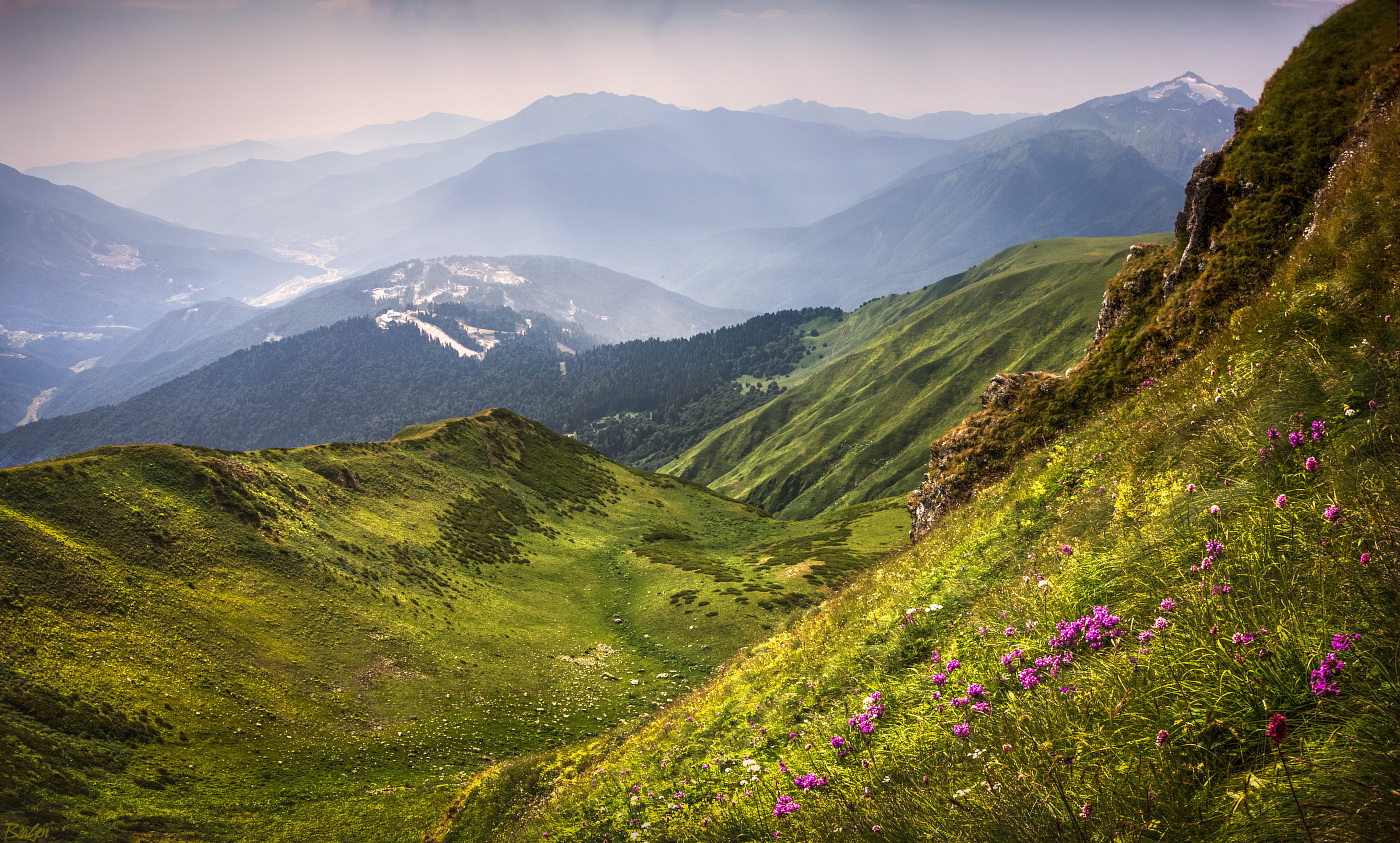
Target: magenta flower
[
  {"x": 1214, "y": 510},
  {"x": 1332, "y": 513},
  {"x": 1160, "y": 623},
  {"x": 1343, "y": 640},
  {"x": 1029, "y": 678},
  {"x": 962, "y": 730},
  {"x": 1281, "y": 501},
  {"x": 1066, "y": 550},
  {"x": 807, "y": 781},
  {"x": 1365, "y": 559},
  {"x": 786, "y": 805},
  {"x": 1086, "y": 811},
  {"x": 1277, "y": 730},
  {"x": 1167, "y": 605},
  {"x": 1164, "y": 737},
  {"x": 1272, "y": 433},
  {"x": 1310, "y": 464}
]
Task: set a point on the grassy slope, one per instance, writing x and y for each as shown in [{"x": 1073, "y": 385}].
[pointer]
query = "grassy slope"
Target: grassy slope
[
  {"x": 902, "y": 369},
  {"x": 275, "y": 646},
  {"x": 1159, "y": 736}
]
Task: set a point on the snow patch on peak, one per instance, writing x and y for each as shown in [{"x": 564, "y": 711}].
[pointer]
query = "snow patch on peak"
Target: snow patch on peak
[{"x": 1193, "y": 87}]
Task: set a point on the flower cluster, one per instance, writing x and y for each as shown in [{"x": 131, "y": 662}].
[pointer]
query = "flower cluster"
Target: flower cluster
[
  {"x": 865, "y": 721},
  {"x": 786, "y": 805},
  {"x": 807, "y": 781},
  {"x": 1096, "y": 629},
  {"x": 1324, "y": 678}
]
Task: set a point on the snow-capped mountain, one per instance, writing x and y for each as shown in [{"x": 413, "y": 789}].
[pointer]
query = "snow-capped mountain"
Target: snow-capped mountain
[{"x": 1198, "y": 90}]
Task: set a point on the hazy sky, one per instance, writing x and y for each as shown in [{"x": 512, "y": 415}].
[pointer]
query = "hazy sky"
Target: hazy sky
[{"x": 92, "y": 79}]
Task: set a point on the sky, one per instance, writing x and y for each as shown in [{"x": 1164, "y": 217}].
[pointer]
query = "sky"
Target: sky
[{"x": 84, "y": 80}]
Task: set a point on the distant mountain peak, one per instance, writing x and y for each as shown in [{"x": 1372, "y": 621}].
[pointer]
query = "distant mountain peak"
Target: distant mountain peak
[{"x": 1192, "y": 86}]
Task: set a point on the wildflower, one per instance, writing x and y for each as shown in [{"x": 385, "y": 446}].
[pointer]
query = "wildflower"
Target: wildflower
[
  {"x": 1014, "y": 655},
  {"x": 1190, "y": 487},
  {"x": 807, "y": 781},
  {"x": 1277, "y": 730},
  {"x": 1163, "y": 737},
  {"x": 952, "y": 665},
  {"x": 1167, "y": 605},
  {"x": 786, "y": 805},
  {"x": 1324, "y": 682},
  {"x": 838, "y": 743},
  {"x": 962, "y": 730},
  {"x": 1068, "y": 689},
  {"x": 1272, "y": 433},
  {"x": 1319, "y": 429},
  {"x": 1343, "y": 641},
  {"x": 1029, "y": 678},
  {"x": 976, "y": 690},
  {"x": 1214, "y": 510},
  {"x": 1144, "y": 636},
  {"x": 1365, "y": 559},
  {"x": 1086, "y": 811},
  {"x": 1310, "y": 464},
  {"x": 1281, "y": 501},
  {"x": 1010, "y": 631},
  {"x": 940, "y": 678},
  {"x": 1297, "y": 438},
  {"x": 1066, "y": 550},
  {"x": 1006, "y": 747},
  {"x": 1214, "y": 548},
  {"x": 1332, "y": 513}
]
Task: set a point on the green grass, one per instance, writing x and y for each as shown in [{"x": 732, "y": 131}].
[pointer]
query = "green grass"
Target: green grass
[
  {"x": 324, "y": 643},
  {"x": 893, "y": 375},
  {"x": 1163, "y": 732}
]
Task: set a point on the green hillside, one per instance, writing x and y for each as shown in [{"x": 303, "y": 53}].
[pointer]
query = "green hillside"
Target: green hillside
[
  {"x": 323, "y": 643},
  {"x": 1176, "y": 621},
  {"x": 897, "y": 372}
]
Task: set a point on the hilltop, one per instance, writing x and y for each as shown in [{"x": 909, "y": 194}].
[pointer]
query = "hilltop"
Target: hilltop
[{"x": 284, "y": 644}]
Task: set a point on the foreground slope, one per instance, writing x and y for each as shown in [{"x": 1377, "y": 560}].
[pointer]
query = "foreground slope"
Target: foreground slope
[
  {"x": 319, "y": 643},
  {"x": 901, "y": 370},
  {"x": 1177, "y": 621}
]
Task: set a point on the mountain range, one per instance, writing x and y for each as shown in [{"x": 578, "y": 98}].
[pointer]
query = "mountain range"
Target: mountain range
[
  {"x": 1110, "y": 166},
  {"x": 70, "y": 261}
]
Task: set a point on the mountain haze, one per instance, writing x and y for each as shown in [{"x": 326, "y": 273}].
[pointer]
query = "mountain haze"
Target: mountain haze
[
  {"x": 1073, "y": 183},
  {"x": 942, "y": 125},
  {"x": 72, "y": 261}
]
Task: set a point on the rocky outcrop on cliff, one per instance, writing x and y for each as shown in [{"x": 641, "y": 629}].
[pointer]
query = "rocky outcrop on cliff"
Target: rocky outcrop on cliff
[{"x": 969, "y": 454}]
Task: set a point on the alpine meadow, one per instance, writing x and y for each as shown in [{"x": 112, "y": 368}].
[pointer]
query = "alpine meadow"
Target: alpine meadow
[{"x": 616, "y": 471}]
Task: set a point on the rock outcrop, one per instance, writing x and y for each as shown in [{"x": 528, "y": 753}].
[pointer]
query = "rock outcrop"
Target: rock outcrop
[{"x": 975, "y": 452}]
